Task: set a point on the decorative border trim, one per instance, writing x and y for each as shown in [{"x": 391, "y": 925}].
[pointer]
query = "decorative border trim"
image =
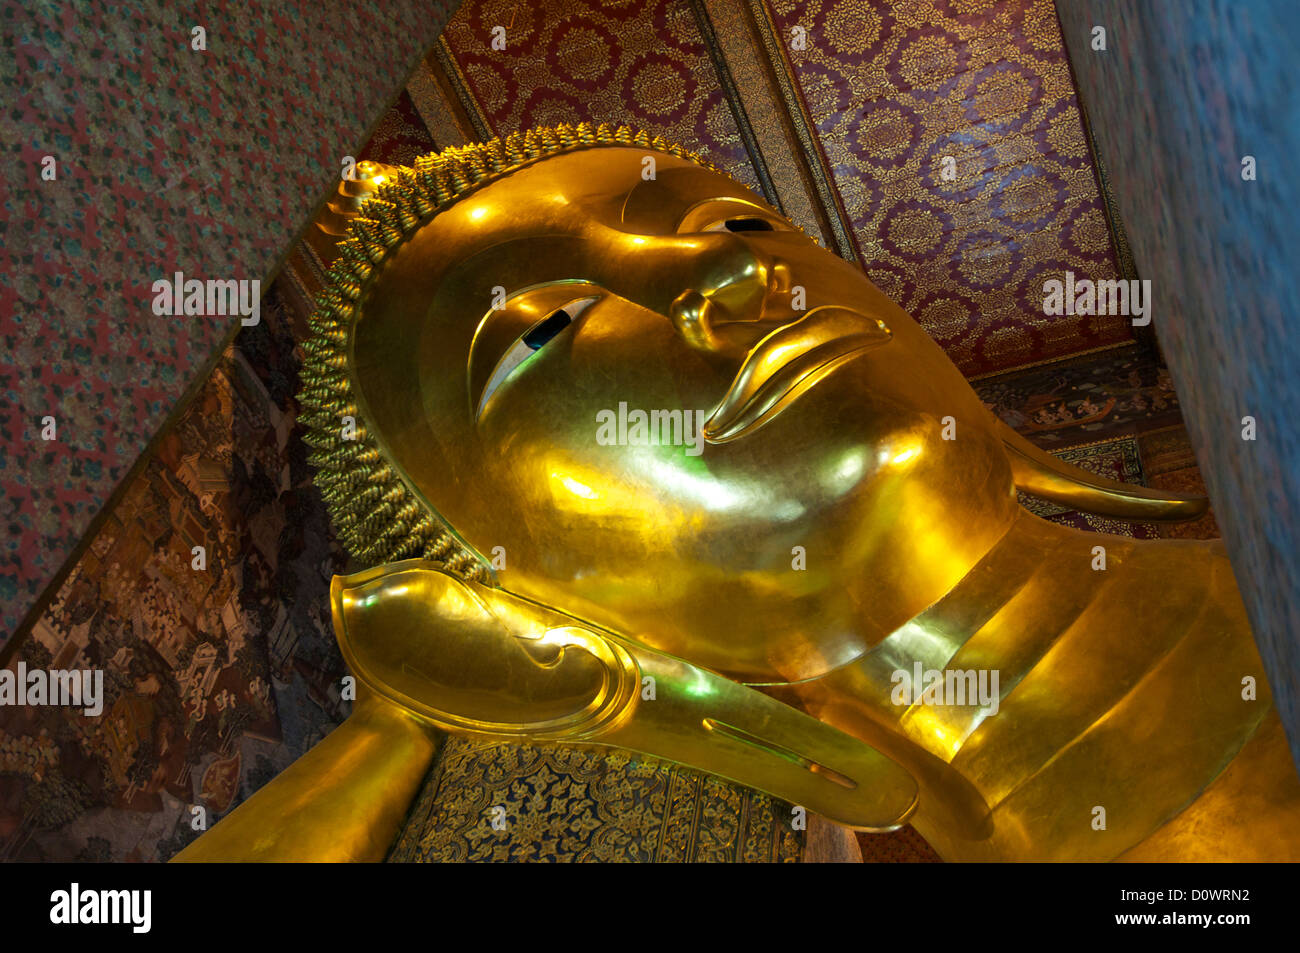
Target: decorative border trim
[
  {"x": 729, "y": 89},
  {"x": 448, "y": 74},
  {"x": 835, "y": 220}
]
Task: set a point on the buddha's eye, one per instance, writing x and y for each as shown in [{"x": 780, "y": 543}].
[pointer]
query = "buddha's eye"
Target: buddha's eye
[
  {"x": 745, "y": 223},
  {"x": 532, "y": 341}
]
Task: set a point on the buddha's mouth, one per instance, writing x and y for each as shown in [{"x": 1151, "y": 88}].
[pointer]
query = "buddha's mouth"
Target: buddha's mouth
[{"x": 786, "y": 363}]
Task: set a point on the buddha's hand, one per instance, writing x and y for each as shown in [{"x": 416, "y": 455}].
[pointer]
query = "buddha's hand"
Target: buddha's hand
[
  {"x": 471, "y": 658},
  {"x": 481, "y": 661}
]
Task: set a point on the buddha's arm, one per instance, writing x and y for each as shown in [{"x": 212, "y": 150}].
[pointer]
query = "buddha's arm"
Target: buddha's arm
[
  {"x": 432, "y": 650},
  {"x": 344, "y": 800},
  {"x": 488, "y": 664}
]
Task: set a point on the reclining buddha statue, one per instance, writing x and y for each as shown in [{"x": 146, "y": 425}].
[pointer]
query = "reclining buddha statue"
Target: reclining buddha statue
[{"x": 638, "y": 464}]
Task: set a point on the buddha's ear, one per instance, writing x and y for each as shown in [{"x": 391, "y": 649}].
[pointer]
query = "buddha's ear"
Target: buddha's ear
[{"x": 1040, "y": 474}]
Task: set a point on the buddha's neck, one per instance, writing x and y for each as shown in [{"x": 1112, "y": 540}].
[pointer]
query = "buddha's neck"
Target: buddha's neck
[
  {"x": 1086, "y": 659},
  {"x": 1043, "y": 593},
  {"x": 1028, "y": 592}
]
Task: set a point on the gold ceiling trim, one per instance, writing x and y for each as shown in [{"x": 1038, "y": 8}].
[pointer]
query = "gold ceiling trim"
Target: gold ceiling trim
[
  {"x": 833, "y": 219},
  {"x": 447, "y": 72},
  {"x": 736, "y": 101}
]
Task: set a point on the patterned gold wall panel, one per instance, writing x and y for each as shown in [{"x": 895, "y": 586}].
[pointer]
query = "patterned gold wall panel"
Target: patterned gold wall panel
[
  {"x": 617, "y": 61},
  {"x": 586, "y": 804},
  {"x": 893, "y": 88}
]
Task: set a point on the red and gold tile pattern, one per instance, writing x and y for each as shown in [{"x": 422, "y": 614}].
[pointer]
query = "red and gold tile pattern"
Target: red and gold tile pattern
[
  {"x": 616, "y": 61},
  {"x": 894, "y": 89}
]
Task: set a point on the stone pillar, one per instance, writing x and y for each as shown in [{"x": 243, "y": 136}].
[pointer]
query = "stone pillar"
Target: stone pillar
[{"x": 1196, "y": 116}]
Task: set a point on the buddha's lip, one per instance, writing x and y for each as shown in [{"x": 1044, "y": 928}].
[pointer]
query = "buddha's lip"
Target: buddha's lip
[{"x": 786, "y": 363}]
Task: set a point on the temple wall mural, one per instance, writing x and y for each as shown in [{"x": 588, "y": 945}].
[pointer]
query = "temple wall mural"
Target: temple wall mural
[
  {"x": 943, "y": 146},
  {"x": 134, "y": 111}
]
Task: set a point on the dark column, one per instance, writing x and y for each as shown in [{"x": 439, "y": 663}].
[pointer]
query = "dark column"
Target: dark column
[{"x": 1181, "y": 95}]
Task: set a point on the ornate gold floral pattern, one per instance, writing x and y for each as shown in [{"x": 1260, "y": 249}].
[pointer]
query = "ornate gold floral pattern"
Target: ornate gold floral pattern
[
  {"x": 586, "y": 804},
  {"x": 571, "y": 61},
  {"x": 896, "y": 89}
]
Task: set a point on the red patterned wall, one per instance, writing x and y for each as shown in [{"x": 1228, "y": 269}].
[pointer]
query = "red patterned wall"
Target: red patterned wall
[
  {"x": 618, "y": 61},
  {"x": 895, "y": 87}
]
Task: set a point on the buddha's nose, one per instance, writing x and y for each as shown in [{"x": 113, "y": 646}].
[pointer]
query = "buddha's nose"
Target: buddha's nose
[{"x": 727, "y": 317}]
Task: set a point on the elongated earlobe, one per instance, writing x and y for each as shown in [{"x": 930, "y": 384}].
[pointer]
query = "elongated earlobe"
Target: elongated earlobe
[{"x": 1039, "y": 473}]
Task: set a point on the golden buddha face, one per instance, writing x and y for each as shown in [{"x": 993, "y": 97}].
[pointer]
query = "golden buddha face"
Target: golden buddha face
[{"x": 538, "y": 361}]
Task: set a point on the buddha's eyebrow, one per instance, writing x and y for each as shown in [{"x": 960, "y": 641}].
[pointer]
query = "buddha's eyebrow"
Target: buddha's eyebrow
[
  {"x": 668, "y": 195},
  {"x": 518, "y": 305},
  {"x": 674, "y": 194},
  {"x": 627, "y": 200}
]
